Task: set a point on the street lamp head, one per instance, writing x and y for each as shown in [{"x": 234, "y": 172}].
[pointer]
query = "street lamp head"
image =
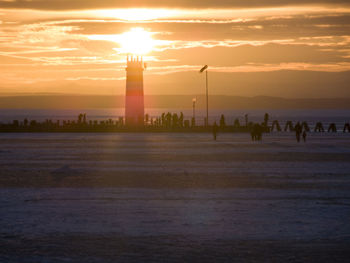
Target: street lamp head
[{"x": 203, "y": 69}]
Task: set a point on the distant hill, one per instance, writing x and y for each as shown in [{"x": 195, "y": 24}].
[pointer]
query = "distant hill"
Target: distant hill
[{"x": 168, "y": 101}]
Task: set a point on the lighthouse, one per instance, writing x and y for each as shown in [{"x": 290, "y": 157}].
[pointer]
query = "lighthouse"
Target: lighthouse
[{"x": 134, "y": 101}]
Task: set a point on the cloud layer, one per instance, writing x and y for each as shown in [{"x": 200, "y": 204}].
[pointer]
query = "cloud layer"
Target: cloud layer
[
  {"x": 92, "y": 4},
  {"x": 56, "y": 50}
]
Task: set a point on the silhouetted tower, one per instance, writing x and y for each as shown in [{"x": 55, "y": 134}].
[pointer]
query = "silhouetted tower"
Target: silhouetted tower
[{"x": 134, "y": 101}]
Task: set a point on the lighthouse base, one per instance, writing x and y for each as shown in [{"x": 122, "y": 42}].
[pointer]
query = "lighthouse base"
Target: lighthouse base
[{"x": 134, "y": 111}]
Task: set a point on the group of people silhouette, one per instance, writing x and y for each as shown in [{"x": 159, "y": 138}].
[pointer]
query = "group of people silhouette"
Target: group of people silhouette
[
  {"x": 257, "y": 130},
  {"x": 171, "y": 122}
]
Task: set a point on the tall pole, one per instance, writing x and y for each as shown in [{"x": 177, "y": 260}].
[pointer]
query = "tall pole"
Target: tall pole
[
  {"x": 205, "y": 68},
  {"x": 194, "y": 112},
  {"x": 194, "y": 109},
  {"x": 206, "y": 80}
]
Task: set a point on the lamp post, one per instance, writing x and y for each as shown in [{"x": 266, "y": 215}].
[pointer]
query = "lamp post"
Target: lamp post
[
  {"x": 193, "y": 122},
  {"x": 194, "y": 100},
  {"x": 206, "y": 89}
]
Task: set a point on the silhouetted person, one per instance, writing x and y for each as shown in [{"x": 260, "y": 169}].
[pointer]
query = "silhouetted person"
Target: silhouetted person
[
  {"x": 266, "y": 119},
  {"x": 215, "y": 130},
  {"x": 256, "y": 132},
  {"x": 260, "y": 132},
  {"x": 304, "y": 136},
  {"x": 222, "y": 121},
  {"x": 168, "y": 118},
  {"x": 181, "y": 119},
  {"x": 236, "y": 123},
  {"x": 298, "y": 131},
  {"x": 305, "y": 126},
  {"x": 252, "y": 134},
  {"x": 175, "y": 119}
]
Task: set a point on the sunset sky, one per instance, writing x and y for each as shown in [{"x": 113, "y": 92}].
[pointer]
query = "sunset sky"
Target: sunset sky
[{"x": 295, "y": 49}]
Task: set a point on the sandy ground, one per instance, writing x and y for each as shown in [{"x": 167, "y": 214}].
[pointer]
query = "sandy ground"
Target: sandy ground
[{"x": 174, "y": 198}]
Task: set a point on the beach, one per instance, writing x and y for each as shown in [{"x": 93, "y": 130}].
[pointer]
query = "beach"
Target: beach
[{"x": 174, "y": 197}]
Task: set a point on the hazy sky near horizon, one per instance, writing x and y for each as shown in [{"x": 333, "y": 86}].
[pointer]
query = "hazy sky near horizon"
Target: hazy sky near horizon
[{"x": 289, "y": 48}]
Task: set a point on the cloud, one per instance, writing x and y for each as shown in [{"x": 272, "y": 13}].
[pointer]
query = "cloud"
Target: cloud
[
  {"x": 252, "y": 67},
  {"x": 94, "y": 78},
  {"x": 92, "y": 4},
  {"x": 40, "y": 49}
]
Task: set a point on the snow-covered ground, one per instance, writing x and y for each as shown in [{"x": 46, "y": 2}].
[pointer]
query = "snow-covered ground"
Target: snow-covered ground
[
  {"x": 174, "y": 197},
  {"x": 95, "y": 154}
]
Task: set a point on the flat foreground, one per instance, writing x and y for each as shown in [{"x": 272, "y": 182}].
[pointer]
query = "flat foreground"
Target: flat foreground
[{"x": 174, "y": 198}]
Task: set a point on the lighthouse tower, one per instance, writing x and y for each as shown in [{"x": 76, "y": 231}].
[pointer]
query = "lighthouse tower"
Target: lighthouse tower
[{"x": 134, "y": 102}]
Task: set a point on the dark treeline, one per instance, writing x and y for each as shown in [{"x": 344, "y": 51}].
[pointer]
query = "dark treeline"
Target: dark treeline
[{"x": 167, "y": 122}]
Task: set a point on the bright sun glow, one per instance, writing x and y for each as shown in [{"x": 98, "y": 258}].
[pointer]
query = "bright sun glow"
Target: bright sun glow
[{"x": 137, "y": 41}]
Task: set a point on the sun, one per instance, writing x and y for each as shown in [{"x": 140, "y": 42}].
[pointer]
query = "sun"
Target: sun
[{"x": 137, "y": 41}]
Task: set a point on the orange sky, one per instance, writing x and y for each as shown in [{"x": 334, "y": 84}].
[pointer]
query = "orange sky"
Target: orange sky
[{"x": 298, "y": 49}]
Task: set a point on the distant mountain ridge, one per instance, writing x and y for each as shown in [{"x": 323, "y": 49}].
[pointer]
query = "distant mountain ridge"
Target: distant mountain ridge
[{"x": 169, "y": 101}]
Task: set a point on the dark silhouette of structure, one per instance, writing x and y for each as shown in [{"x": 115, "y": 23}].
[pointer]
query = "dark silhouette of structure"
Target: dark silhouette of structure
[
  {"x": 319, "y": 127},
  {"x": 166, "y": 122},
  {"x": 205, "y": 68},
  {"x": 276, "y": 124},
  {"x": 289, "y": 126},
  {"x": 193, "y": 122},
  {"x": 134, "y": 99},
  {"x": 305, "y": 126},
  {"x": 332, "y": 127}
]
